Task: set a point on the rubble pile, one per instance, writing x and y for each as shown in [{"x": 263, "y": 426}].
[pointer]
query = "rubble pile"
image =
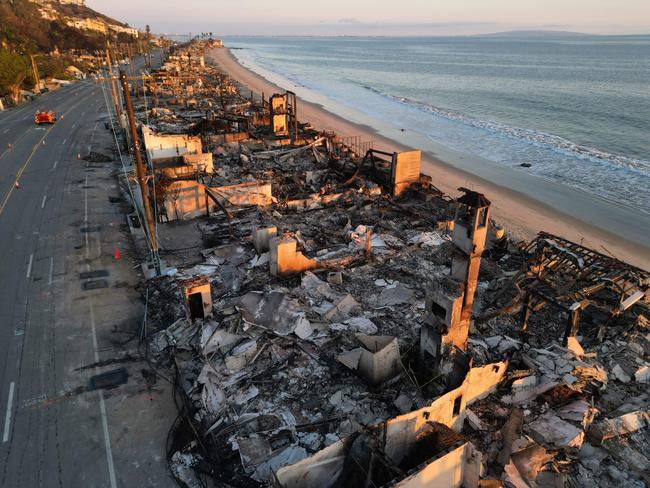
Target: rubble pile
[{"x": 344, "y": 323}]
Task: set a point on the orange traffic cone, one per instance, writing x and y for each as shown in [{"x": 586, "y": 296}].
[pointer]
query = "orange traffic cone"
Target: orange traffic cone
[
  {"x": 117, "y": 253},
  {"x": 17, "y": 184}
]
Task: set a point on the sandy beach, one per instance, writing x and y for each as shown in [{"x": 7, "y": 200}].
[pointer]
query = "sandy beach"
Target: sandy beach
[{"x": 520, "y": 214}]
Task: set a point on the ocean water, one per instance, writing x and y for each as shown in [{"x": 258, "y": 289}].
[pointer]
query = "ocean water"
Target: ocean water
[{"x": 577, "y": 109}]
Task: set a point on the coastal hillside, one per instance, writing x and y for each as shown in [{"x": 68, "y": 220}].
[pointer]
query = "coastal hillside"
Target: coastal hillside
[
  {"x": 49, "y": 25},
  {"x": 42, "y": 41}
]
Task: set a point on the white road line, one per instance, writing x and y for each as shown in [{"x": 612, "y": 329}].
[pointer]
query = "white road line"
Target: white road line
[
  {"x": 64, "y": 140},
  {"x": 10, "y": 402},
  {"x": 43, "y": 202},
  {"x": 92, "y": 136},
  {"x": 49, "y": 281},
  {"x": 102, "y": 407},
  {"x": 29, "y": 266},
  {"x": 86, "y": 213},
  {"x": 99, "y": 245},
  {"x": 102, "y": 404},
  {"x": 5, "y": 131},
  {"x": 55, "y": 163},
  {"x": 74, "y": 125}
]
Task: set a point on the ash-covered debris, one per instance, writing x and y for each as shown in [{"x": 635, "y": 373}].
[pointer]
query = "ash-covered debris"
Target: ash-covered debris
[
  {"x": 335, "y": 320},
  {"x": 95, "y": 157}
]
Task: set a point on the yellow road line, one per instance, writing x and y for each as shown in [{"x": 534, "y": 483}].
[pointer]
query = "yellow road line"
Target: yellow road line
[
  {"x": 22, "y": 169},
  {"x": 36, "y": 146},
  {"x": 9, "y": 148}
]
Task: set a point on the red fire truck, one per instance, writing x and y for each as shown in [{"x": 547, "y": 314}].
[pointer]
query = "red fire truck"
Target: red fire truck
[{"x": 43, "y": 117}]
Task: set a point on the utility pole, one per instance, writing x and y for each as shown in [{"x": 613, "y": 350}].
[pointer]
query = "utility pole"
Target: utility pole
[
  {"x": 130, "y": 54},
  {"x": 116, "y": 100},
  {"x": 147, "y": 47},
  {"x": 37, "y": 79},
  {"x": 142, "y": 176}
]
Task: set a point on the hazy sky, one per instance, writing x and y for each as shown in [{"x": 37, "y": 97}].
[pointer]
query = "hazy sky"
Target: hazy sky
[{"x": 435, "y": 17}]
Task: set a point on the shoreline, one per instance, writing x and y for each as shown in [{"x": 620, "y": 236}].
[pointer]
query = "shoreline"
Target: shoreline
[{"x": 521, "y": 215}]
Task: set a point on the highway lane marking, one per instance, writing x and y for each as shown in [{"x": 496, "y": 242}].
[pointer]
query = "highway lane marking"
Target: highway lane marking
[
  {"x": 55, "y": 163},
  {"x": 5, "y": 131},
  {"x": 49, "y": 280},
  {"x": 24, "y": 112},
  {"x": 10, "y": 402},
  {"x": 102, "y": 407},
  {"x": 86, "y": 213},
  {"x": 43, "y": 202},
  {"x": 102, "y": 403},
  {"x": 10, "y": 147},
  {"x": 29, "y": 266},
  {"x": 34, "y": 149},
  {"x": 22, "y": 169},
  {"x": 64, "y": 140}
]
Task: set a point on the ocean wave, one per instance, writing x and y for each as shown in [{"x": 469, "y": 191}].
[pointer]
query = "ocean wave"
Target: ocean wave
[
  {"x": 537, "y": 138},
  {"x": 619, "y": 179}
]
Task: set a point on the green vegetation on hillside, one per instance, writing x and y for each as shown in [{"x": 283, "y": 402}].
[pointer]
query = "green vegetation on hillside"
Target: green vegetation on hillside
[
  {"x": 24, "y": 32},
  {"x": 14, "y": 68}
]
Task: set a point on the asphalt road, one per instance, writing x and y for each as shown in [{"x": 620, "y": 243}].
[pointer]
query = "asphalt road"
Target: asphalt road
[{"x": 55, "y": 335}]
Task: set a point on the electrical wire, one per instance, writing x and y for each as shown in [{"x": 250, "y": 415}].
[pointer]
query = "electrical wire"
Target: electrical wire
[
  {"x": 146, "y": 108},
  {"x": 119, "y": 152}
]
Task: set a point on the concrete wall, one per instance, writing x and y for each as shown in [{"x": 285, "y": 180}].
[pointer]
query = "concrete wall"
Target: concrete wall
[
  {"x": 191, "y": 200},
  {"x": 262, "y": 238},
  {"x": 446, "y": 471},
  {"x": 458, "y": 467},
  {"x": 380, "y": 361},
  {"x": 176, "y": 172},
  {"x": 162, "y": 146},
  {"x": 439, "y": 299},
  {"x": 280, "y": 124},
  {"x": 479, "y": 382},
  {"x": 246, "y": 194},
  {"x": 286, "y": 260},
  {"x": 377, "y": 362},
  {"x": 483, "y": 381},
  {"x": 202, "y": 286},
  {"x": 279, "y": 103},
  {"x": 400, "y": 429},
  {"x": 322, "y": 470},
  {"x": 470, "y": 236},
  {"x": 406, "y": 170},
  {"x": 199, "y": 162}
]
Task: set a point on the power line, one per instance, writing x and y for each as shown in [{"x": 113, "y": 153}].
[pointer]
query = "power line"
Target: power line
[{"x": 119, "y": 151}]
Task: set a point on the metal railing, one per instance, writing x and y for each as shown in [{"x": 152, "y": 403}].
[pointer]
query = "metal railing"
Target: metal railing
[{"x": 352, "y": 147}]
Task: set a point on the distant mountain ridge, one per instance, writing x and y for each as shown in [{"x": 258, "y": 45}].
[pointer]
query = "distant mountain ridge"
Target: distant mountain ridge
[{"x": 537, "y": 33}]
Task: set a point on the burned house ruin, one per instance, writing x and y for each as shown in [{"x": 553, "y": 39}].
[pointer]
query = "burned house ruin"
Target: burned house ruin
[{"x": 330, "y": 318}]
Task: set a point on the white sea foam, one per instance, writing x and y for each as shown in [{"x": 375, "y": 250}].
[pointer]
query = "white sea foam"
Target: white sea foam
[
  {"x": 537, "y": 138},
  {"x": 616, "y": 178}
]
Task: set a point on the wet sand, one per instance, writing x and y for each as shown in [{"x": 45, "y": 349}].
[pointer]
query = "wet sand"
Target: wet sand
[{"x": 522, "y": 215}]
